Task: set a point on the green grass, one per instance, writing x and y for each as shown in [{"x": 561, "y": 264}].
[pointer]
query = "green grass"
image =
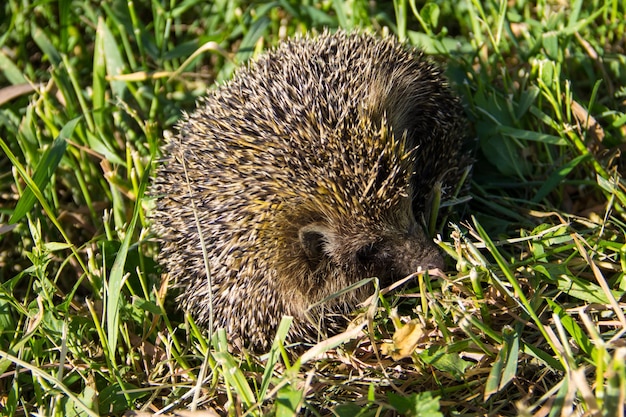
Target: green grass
[{"x": 529, "y": 320}]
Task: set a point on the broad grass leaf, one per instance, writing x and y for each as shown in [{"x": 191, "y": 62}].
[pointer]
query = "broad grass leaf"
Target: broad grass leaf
[
  {"x": 147, "y": 305},
  {"x": 573, "y": 328},
  {"x": 103, "y": 148},
  {"x": 317, "y": 16},
  {"x": 248, "y": 43},
  {"x": 231, "y": 371},
  {"x": 532, "y": 136},
  {"x": 449, "y": 362},
  {"x": 11, "y": 71},
  {"x": 116, "y": 278},
  {"x": 505, "y": 367},
  {"x": 615, "y": 385},
  {"x": 113, "y": 59},
  {"x": 340, "y": 13},
  {"x": 526, "y": 99},
  {"x": 495, "y": 375},
  {"x": 557, "y": 177},
  {"x": 434, "y": 46},
  {"x": 560, "y": 399},
  {"x": 422, "y": 404},
  {"x": 430, "y": 14},
  {"x": 55, "y": 246},
  {"x": 98, "y": 96},
  {"x": 585, "y": 290},
  {"x": 46, "y": 167},
  {"x": 288, "y": 400},
  {"x": 544, "y": 357},
  {"x": 353, "y": 410},
  {"x": 116, "y": 398},
  {"x": 550, "y": 42},
  {"x": 274, "y": 354},
  {"x": 246, "y": 48},
  {"x": 47, "y": 47},
  {"x": 510, "y": 369},
  {"x": 89, "y": 397}
]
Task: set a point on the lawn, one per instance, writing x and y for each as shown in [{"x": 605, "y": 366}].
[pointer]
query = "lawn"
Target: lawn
[{"x": 529, "y": 319}]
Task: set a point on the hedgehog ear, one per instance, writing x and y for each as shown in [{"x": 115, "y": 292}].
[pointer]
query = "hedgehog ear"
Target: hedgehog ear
[{"x": 315, "y": 239}]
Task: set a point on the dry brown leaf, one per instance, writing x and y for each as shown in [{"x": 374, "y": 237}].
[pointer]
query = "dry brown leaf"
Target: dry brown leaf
[
  {"x": 9, "y": 93},
  {"x": 588, "y": 123},
  {"x": 405, "y": 340}
]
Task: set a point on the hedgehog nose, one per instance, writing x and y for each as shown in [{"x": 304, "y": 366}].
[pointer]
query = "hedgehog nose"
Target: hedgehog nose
[
  {"x": 436, "y": 262},
  {"x": 423, "y": 252},
  {"x": 432, "y": 260}
]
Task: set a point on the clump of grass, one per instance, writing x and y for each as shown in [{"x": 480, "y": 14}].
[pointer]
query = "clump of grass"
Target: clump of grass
[{"x": 530, "y": 320}]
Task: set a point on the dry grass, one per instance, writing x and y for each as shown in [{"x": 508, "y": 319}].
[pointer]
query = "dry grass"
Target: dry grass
[{"x": 528, "y": 320}]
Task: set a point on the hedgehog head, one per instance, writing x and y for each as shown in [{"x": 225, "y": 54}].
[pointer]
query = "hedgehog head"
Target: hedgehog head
[{"x": 356, "y": 221}]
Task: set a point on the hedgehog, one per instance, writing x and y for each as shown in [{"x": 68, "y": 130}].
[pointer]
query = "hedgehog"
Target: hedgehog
[{"x": 307, "y": 172}]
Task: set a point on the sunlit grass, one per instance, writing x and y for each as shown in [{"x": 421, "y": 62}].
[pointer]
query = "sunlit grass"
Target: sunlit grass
[{"x": 529, "y": 320}]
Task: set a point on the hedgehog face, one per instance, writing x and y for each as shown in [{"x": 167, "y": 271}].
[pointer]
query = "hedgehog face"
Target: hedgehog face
[
  {"x": 337, "y": 256},
  {"x": 388, "y": 256}
]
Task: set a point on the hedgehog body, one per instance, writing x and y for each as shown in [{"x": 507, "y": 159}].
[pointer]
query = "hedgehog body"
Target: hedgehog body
[{"x": 306, "y": 173}]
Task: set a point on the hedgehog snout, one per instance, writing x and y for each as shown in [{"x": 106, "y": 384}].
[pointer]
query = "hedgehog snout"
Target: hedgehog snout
[
  {"x": 401, "y": 256},
  {"x": 397, "y": 254}
]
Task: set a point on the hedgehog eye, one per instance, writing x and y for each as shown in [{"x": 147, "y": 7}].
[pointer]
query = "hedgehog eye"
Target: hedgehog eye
[{"x": 367, "y": 253}]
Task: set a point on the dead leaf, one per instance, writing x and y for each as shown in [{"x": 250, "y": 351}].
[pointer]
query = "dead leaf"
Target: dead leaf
[
  {"x": 405, "y": 341},
  {"x": 587, "y": 123},
  {"x": 9, "y": 93}
]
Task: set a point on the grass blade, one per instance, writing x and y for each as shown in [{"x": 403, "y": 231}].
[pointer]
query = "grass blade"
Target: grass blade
[
  {"x": 557, "y": 178},
  {"x": 46, "y": 167},
  {"x": 116, "y": 278},
  {"x": 274, "y": 354},
  {"x": 232, "y": 372},
  {"x": 55, "y": 382},
  {"x": 520, "y": 297}
]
